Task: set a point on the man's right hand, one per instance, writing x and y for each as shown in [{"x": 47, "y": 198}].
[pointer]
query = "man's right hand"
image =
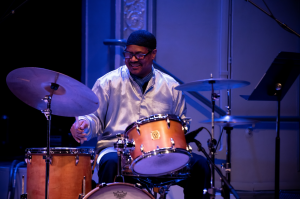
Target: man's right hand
[{"x": 77, "y": 130}]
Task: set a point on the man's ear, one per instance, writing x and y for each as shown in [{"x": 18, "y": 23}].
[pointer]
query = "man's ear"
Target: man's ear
[{"x": 153, "y": 54}]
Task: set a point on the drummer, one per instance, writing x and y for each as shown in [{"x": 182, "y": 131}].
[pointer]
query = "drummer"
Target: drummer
[{"x": 131, "y": 92}]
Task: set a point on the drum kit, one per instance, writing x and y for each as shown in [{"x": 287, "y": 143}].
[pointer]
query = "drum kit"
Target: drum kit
[{"x": 156, "y": 161}]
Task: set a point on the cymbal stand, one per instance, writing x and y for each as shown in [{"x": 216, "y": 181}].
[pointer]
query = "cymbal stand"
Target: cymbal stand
[
  {"x": 227, "y": 166},
  {"x": 228, "y": 162},
  {"x": 120, "y": 147},
  {"x": 230, "y": 188},
  {"x": 212, "y": 142},
  {"x": 47, "y": 158},
  {"x": 48, "y": 113}
]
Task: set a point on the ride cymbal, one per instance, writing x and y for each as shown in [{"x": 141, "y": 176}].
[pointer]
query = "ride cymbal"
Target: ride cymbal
[{"x": 69, "y": 97}]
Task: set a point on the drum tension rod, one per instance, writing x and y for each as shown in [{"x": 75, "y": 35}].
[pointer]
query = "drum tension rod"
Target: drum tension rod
[{"x": 138, "y": 129}]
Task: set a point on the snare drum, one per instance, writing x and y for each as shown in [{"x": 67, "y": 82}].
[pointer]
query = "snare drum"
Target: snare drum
[
  {"x": 118, "y": 190},
  {"x": 68, "y": 167},
  {"x": 160, "y": 145}
]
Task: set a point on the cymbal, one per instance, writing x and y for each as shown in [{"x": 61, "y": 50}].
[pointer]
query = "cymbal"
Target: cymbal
[
  {"x": 72, "y": 98},
  {"x": 218, "y": 84},
  {"x": 230, "y": 121}
]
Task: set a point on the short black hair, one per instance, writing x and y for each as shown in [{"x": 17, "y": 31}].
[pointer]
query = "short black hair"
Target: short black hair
[{"x": 142, "y": 38}]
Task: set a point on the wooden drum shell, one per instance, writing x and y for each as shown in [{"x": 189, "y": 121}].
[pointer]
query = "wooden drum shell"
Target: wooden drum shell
[{"x": 65, "y": 177}]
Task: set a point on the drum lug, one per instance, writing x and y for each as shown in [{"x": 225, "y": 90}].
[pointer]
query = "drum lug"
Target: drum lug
[
  {"x": 138, "y": 129},
  {"x": 76, "y": 159},
  {"x": 130, "y": 145},
  {"x": 92, "y": 158},
  {"x": 168, "y": 122},
  {"x": 28, "y": 158},
  {"x": 189, "y": 148},
  {"x": 172, "y": 142},
  {"x": 48, "y": 158},
  {"x": 142, "y": 149},
  {"x": 186, "y": 124}
]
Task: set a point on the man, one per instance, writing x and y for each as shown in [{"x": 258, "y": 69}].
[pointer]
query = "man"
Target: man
[{"x": 127, "y": 94}]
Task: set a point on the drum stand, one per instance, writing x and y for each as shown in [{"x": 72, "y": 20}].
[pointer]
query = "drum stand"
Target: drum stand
[
  {"x": 212, "y": 142},
  {"x": 121, "y": 145},
  {"x": 48, "y": 113},
  {"x": 231, "y": 189}
]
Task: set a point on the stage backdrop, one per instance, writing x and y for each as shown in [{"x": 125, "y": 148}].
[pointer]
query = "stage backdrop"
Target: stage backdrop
[{"x": 225, "y": 39}]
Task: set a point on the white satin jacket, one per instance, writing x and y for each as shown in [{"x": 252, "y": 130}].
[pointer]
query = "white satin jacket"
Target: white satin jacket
[{"x": 121, "y": 102}]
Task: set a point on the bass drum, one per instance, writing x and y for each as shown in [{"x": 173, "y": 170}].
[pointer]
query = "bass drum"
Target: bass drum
[{"x": 118, "y": 190}]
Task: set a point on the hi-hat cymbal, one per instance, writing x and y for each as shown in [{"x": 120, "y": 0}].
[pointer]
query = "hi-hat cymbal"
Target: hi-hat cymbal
[
  {"x": 72, "y": 98},
  {"x": 230, "y": 121},
  {"x": 206, "y": 84}
]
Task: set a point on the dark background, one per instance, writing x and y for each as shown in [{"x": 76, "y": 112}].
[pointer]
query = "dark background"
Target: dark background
[{"x": 44, "y": 34}]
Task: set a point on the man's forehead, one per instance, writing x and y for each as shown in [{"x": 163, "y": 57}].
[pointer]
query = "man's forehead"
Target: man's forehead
[{"x": 136, "y": 48}]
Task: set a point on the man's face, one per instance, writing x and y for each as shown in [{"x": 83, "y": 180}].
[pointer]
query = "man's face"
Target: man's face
[{"x": 139, "y": 67}]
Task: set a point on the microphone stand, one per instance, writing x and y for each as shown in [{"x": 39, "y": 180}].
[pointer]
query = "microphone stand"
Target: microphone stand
[{"x": 283, "y": 25}]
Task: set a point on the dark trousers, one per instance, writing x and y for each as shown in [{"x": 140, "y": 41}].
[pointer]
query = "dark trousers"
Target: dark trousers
[{"x": 193, "y": 186}]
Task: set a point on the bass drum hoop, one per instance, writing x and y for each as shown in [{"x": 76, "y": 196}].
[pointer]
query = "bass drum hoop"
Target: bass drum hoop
[
  {"x": 156, "y": 152},
  {"x": 114, "y": 184}
]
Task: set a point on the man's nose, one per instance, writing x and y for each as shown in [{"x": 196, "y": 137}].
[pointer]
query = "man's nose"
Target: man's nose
[{"x": 133, "y": 58}]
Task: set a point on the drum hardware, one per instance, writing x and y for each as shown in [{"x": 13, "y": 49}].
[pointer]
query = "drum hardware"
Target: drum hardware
[
  {"x": 138, "y": 129},
  {"x": 228, "y": 185},
  {"x": 189, "y": 148},
  {"x": 168, "y": 122},
  {"x": 32, "y": 84},
  {"x": 142, "y": 149},
  {"x": 76, "y": 159},
  {"x": 162, "y": 191},
  {"x": 186, "y": 124},
  {"x": 23, "y": 195},
  {"x": 212, "y": 84},
  {"x": 228, "y": 122},
  {"x": 120, "y": 147},
  {"x": 173, "y": 143},
  {"x": 83, "y": 189}
]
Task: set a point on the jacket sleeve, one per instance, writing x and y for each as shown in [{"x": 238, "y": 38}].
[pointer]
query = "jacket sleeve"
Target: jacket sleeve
[
  {"x": 96, "y": 119},
  {"x": 179, "y": 103}
]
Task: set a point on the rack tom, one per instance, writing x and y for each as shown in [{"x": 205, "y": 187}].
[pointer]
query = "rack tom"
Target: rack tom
[{"x": 160, "y": 145}]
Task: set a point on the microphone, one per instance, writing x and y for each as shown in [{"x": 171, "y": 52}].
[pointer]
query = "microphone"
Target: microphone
[{"x": 190, "y": 137}]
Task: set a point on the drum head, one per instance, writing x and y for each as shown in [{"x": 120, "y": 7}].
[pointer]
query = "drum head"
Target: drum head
[
  {"x": 118, "y": 191},
  {"x": 160, "y": 162}
]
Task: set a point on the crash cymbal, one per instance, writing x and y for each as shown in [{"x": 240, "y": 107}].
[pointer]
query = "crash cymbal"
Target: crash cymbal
[
  {"x": 230, "y": 121},
  {"x": 218, "y": 84},
  {"x": 72, "y": 98}
]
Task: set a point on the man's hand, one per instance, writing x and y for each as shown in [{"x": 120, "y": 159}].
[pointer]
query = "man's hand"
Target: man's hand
[{"x": 77, "y": 130}]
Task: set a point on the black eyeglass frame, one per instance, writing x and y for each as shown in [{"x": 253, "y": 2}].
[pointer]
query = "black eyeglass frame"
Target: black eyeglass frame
[{"x": 144, "y": 55}]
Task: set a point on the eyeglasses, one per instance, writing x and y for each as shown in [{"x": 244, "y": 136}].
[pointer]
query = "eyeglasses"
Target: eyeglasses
[{"x": 129, "y": 55}]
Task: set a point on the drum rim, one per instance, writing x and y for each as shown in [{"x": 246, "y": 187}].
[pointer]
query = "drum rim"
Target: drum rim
[
  {"x": 103, "y": 185},
  {"x": 152, "y": 118},
  {"x": 151, "y": 153},
  {"x": 60, "y": 150}
]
